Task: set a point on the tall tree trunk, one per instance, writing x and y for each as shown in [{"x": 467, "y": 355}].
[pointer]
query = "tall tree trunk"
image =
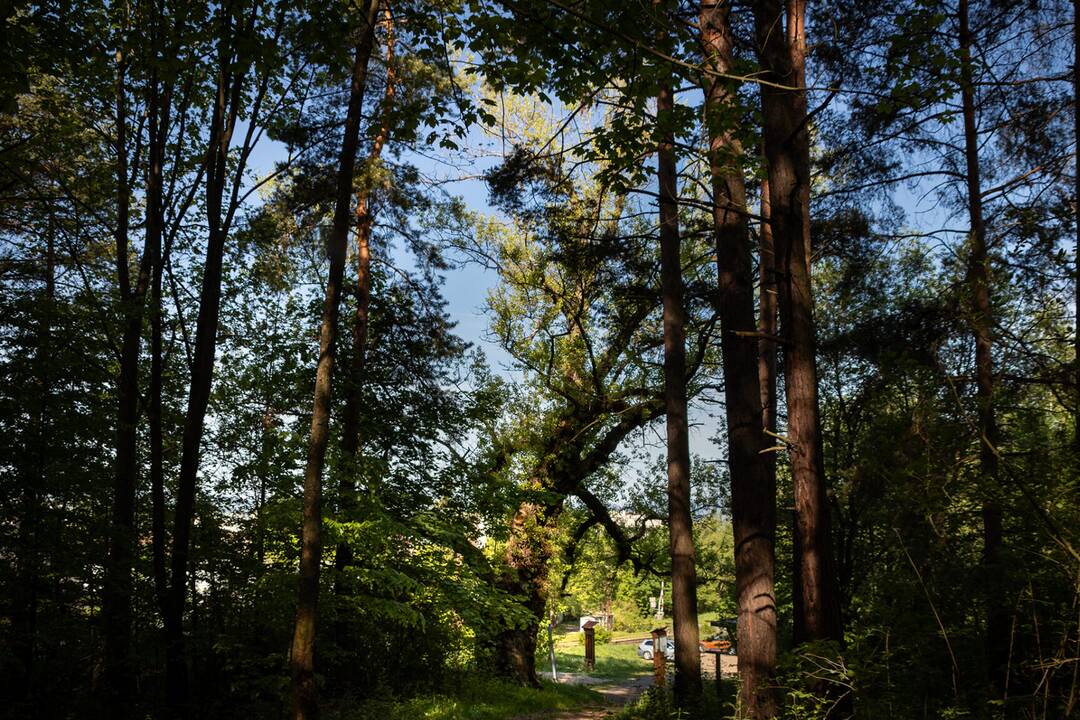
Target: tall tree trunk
[
  {"x": 978, "y": 279},
  {"x": 119, "y": 681},
  {"x": 35, "y": 477},
  {"x": 753, "y": 489},
  {"x": 680, "y": 519},
  {"x": 159, "y": 109},
  {"x": 202, "y": 370},
  {"x": 767, "y": 325},
  {"x": 233, "y": 65},
  {"x": 1076, "y": 211},
  {"x": 528, "y": 552},
  {"x": 302, "y": 653},
  {"x": 350, "y": 421},
  {"x": 787, "y": 153}
]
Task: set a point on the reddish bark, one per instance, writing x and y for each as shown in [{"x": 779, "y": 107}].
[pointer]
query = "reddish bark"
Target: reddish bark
[
  {"x": 753, "y": 487},
  {"x": 787, "y": 151}
]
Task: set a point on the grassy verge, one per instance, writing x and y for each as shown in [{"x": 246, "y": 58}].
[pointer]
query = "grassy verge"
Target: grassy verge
[
  {"x": 657, "y": 705},
  {"x": 613, "y": 662},
  {"x": 469, "y": 697}
]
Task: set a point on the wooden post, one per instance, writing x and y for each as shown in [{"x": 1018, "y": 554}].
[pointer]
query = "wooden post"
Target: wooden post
[
  {"x": 719, "y": 675},
  {"x": 659, "y": 658},
  {"x": 590, "y": 644}
]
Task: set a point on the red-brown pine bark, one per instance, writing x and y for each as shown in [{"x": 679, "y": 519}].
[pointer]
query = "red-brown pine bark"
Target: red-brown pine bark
[
  {"x": 787, "y": 151},
  {"x": 753, "y": 488}
]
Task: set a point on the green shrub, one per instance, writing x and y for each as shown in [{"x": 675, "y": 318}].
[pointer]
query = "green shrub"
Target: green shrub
[
  {"x": 813, "y": 679},
  {"x": 654, "y": 704},
  {"x": 603, "y": 636},
  {"x": 629, "y": 618}
]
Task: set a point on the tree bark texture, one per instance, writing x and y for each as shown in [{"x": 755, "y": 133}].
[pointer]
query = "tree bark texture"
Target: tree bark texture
[
  {"x": 302, "y": 653},
  {"x": 687, "y": 684},
  {"x": 753, "y": 488},
  {"x": 787, "y": 153},
  {"x": 978, "y": 279}
]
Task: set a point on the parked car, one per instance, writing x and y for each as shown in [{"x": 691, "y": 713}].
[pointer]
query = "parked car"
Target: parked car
[{"x": 645, "y": 649}]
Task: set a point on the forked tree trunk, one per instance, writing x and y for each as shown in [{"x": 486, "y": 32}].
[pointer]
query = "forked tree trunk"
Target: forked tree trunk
[
  {"x": 753, "y": 490},
  {"x": 234, "y": 63},
  {"x": 978, "y": 279},
  {"x": 302, "y": 653},
  {"x": 223, "y": 121},
  {"x": 787, "y": 151},
  {"x": 119, "y": 681},
  {"x": 680, "y": 520}
]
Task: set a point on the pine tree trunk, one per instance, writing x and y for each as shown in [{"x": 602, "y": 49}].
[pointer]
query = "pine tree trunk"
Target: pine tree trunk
[
  {"x": 753, "y": 490},
  {"x": 680, "y": 521},
  {"x": 350, "y": 422},
  {"x": 767, "y": 347},
  {"x": 978, "y": 278},
  {"x": 302, "y": 653},
  {"x": 787, "y": 153}
]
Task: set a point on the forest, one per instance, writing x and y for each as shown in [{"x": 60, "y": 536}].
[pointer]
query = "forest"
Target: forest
[{"x": 353, "y": 353}]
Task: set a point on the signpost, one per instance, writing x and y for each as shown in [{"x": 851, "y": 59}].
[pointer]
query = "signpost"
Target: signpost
[
  {"x": 659, "y": 658},
  {"x": 590, "y": 644}
]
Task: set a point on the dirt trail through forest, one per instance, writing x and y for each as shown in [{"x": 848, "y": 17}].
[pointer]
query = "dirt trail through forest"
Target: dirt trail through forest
[{"x": 623, "y": 692}]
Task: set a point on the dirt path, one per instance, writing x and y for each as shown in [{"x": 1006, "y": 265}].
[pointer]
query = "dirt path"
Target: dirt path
[
  {"x": 615, "y": 694},
  {"x": 618, "y": 694}
]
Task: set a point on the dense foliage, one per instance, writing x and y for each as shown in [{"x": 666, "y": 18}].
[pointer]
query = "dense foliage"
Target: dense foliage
[{"x": 844, "y": 234}]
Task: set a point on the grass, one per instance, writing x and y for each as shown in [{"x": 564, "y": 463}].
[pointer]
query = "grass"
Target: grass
[
  {"x": 470, "y": 697},
  {"x": 613, "y": 662},
  {"x": 658, "y": 705}
]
